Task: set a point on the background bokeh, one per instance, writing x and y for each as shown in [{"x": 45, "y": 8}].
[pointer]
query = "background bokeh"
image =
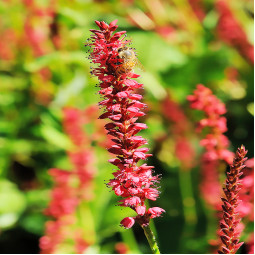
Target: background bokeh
[{"x": 44, "y": 68}]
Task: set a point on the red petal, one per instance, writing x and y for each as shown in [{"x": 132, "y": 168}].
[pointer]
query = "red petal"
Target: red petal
[
  {"x": 98, "y": 23},
  {"x": 103, "y": 25},
  {"x": 133, "y": 75},
  {"x": 237, "y": 246},
  {"x": 225, "y": 250},
  {"x": 113, "y": 23},
  {"x": 140, "y": 210},
  {"x": 114, "y": 161},
  {"x": 104, "y": 115},
  {"x": 140, "y": 155},
  {"x": 115, "y": 117},
  {"x": 122, "y": 94},
  {"x": 135, "y": 96}
]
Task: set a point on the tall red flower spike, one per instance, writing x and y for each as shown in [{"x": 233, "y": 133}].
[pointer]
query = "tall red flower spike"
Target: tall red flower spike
[
  {"x": 123, "y": 107},
  {"x": 215, "y": 143},
  {"x": 231, "y": 219}
]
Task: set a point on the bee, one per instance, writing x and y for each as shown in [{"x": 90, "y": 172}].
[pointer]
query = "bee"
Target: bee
[{"x": 129, "y": 61}]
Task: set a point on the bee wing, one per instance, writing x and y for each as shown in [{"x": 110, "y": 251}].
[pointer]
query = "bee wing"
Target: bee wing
[{"x": 139, "y": 65}]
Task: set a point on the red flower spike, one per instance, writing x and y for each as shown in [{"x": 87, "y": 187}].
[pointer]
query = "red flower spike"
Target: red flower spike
[
  {"x": 123, "y": 107},
  {"x": 230, "y": 229},
  {"x": 215, "y": 143}
]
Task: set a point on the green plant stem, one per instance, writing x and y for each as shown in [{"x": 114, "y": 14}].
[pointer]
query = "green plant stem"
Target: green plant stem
[
  {"x": 188, "y": 201},
  {"x": 151, "y": 239}
]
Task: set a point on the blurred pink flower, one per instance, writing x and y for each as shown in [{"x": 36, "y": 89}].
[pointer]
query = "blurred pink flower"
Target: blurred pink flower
[
  {"x": 231, "y": 31},
  {"x": 246, "y": 194},
  {"x": 210, "y": 186},
  {"x": 197, "y": 6},
  {"x": 215, "y": 143},
  {"x": 65, "y": 196},
  {"x": 121, "y": 248},
  {"x": 7, "y": 44}
]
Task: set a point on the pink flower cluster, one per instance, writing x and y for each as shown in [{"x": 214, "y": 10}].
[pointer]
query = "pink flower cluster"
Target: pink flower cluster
[
  {"x": 83, "y": 156},
  {"x": 61, "y": 209},
  {"x": 64, "y": 200},
  {"x": 37, "y": 41},
  {"x": 230, "y": 31},
  {"x": 37, "y": 36},
  {"x": 121, "y": 248},
  {"x": 123, "y": 107},
  {"x": 70, "y": 187},
  {"x": 230, "y": 231},
  {"x": 215, "y": 142}
]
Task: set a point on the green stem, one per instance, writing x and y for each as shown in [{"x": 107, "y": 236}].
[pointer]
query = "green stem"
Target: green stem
[
  {"x": 151, "y": 239},
  {"x": 188, "y": 201}
]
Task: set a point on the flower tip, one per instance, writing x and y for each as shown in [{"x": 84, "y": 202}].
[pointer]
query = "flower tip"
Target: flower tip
[
  {"x": 242, "y": 148},
  {"x": 113, "y": 23},
  {"x": 97, "y": 23},
  {"x": 200, "y": 86},
  {"x": 104, "y": 25},
  {"x": 237, "y": 246}
]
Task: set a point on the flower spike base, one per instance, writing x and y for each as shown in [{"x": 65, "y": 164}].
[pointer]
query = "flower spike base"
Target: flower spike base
[{"x": 151, "y": 239}]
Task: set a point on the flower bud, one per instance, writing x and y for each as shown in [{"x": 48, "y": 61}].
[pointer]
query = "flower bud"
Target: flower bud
[{"x": 128, "y": 222}]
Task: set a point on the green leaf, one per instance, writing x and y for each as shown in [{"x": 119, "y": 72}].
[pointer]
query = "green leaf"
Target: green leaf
[
  {"x": 55, "y": 137},
  {"x": 70, "y": 90},
  {"x": 12, "y": 204},
  {"x": 155, "y": 54}
]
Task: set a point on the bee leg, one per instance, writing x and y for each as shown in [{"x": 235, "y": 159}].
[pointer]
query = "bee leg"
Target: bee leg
[{"x": 125, "y": 35}]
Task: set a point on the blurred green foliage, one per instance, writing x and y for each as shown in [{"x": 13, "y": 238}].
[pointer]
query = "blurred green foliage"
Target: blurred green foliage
[{"x": 41, "y": 73}]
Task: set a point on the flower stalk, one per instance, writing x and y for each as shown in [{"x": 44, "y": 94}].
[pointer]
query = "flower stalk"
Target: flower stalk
[
  {"x": 151, "y": 239},
  {"x": 230, "y": 224}
]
